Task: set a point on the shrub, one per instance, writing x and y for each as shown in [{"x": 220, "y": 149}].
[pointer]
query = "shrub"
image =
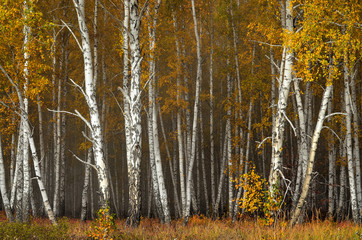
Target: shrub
[
  {"x": 103, "y": 226},
  {"x": 257, "y": 199},
  {"x": 34, "y": 231}
]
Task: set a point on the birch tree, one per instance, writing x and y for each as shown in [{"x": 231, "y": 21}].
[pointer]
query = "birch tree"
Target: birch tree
[
  {"x": 90, "y": 95},
  {"x": 285, "y": 80},
  {"x": 196, "y": 109},
  {"x": 133, "y": 114}
]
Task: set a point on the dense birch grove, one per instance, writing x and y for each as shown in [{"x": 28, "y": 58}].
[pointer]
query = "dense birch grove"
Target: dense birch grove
[{"x": 168, "y": 109}]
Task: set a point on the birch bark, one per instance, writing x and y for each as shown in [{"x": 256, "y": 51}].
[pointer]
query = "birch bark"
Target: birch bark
[
  {"x": 179, "y": 129},
  {"x": 348, "y": 121},
  {"x": 90, "y": 95},
  {"x": 83, "y": 213},
  {"x": 315, "y": 138},
  {"x": 279, "y": 127},
  {"x": 3, "y": 189},
  {"x": 134, "y": 125},
  {"x": 356, "y": 149},
  {"x": 195, "y": 117}
]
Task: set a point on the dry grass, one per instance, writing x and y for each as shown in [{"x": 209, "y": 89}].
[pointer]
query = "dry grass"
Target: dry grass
[{"x": 205, "y": 228}]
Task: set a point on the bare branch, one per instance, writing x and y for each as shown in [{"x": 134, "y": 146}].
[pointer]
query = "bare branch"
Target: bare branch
[
  {"x": 71, "y": 31},
  {"x": 86, "y": 137},
  {"x": 262, "y": 142},
  {"x": 77, "y": 114},
  {"x": 81, "y": 90},
  {"x": 291, "y": 124},
  {"x": 265, "y": 43},
  {"x": 80, "y": 160},
  {"x": 333, "y": 114},
  {"x": 335, "y": 134}
]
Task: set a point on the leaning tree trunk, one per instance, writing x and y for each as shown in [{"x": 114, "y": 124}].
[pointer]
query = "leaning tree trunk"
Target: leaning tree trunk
[
  {"x": 315, "y": 138},
  {"x": 25, "y": 121}
]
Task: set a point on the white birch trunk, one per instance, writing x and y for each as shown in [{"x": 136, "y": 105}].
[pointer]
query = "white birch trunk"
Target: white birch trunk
[
  {"x": 247, "y": 152},
  {"x": 134, "y": 125},
  {"x": 90, "y": 92},
  {"x": 41, "y": 141},
  {"x": 302, "y": 148},
  {"x": 223, "y": 165},
  {"x": 171, "y": 164},
  {"x": 154, "y": 179},
  {"x": 211, "y": 92},
  {"x": 154, "y": 124},
  {"x": 229, "y": 145},
  {"x": 342, "y": 183},
  {"x": 204, "y": 178},
  {"x": 331, "y": 169},
  {"x": 3, "y": 189},
  {"x": 194, "y": 124},
  {"x": 279, "y": 127},
  {"x": 26, "y": 168},
  {"x": 25, "y": 119},
  {"x": 84, "y": 206},
  {"x": 57, "y": 150},
  {"x": 315, "y": 138},
  {"x": 179, "y": 129},
  {"x": 18, "y": 167},
  {"x": 348, "y": 121},
  {"x": 356, "y": 149}
]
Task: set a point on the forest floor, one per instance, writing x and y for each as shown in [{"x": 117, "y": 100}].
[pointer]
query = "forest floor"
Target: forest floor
[{"x": 198, "y": 228}]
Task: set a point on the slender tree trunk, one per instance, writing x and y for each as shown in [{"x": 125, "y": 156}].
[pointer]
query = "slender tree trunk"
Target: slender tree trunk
[
  {"x": 247, "y": 152},
  {"x": 204, "y": 178},
  {"x": 331, "y": 168},
  {"x": 348, "y": 121},
  {"x": 279, "y": 127},
  {"x": 84, "y": 207},
  {"x": 57, "y": 150},
  {"x": 134, "y": 114},
  {"x": 229, "y": 144},
  {"x": 171, "y": 165},
  {"x": 153, "y": 119},
  {"x": 179, "y": 123},
  {"x": 342, "y": 183},
  {"x": 302, "y": 146},
  {"x": 4, "y": 193},
  {"x": 211, "y": 75},
  {"x": 356, "y": 149},
  {"x": 155, "y": 187},
  {"x": 90, "y": 92},
  {"x": 221, "y": 178},
  {"x": 194, "y": 125},
  {"x": 25, "y": 119},
  {"x": 315, "y": 138}
]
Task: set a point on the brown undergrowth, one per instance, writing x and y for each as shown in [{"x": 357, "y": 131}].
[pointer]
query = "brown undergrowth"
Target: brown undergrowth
[{"x": 199, "y": 227}]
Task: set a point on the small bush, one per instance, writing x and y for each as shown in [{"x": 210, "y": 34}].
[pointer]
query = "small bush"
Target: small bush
[
  {"x": 257, "y": 199},
  {"x": 103, "y": 226},
  {"x": 33, "y": 231}
]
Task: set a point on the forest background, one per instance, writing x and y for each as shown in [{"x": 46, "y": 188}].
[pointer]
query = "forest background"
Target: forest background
[{"x": 174, "y": 108}]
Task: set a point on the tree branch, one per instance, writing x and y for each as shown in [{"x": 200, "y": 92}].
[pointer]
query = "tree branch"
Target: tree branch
[{"x": 80, "y": 160}]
